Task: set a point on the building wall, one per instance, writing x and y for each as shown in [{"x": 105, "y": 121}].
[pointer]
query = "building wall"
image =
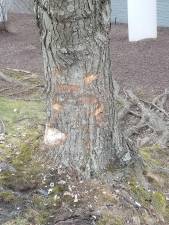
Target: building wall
[
  {"x": 163, "y": 12},
  {"x": 119, "y": 11},
  {"x": 21, "y": 6}
]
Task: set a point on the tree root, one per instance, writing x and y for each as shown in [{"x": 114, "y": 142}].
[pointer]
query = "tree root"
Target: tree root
[
  {"x": 25, "y": 90},
  {"x": 160, "y": 170},
  {"x": 145, "y": 122},
  {"x": 10, "y": 80}
]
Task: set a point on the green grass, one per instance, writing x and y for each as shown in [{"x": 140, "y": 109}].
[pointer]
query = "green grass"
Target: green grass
[
  {"x": 18, "y": 115},
  {"x": 12, "y": 110}
]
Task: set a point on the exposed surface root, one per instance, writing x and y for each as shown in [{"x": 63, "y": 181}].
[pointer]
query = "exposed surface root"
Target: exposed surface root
[
  {"x": 8, "y": 79},
  {"x": 146, "y": 122},
  {"x": 20, "y": 84}
]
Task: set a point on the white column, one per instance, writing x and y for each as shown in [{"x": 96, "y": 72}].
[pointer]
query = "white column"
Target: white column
[{"x": 142, "y": 19}]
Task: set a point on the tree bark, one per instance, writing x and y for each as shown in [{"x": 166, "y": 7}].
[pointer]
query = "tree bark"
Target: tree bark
[{"x": 82, "y": 128}]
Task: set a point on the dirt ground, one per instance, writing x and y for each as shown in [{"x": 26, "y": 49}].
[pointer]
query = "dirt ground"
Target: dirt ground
[
  {"x": 20, "y": 47},
  {"x": 142, "y": 66}
]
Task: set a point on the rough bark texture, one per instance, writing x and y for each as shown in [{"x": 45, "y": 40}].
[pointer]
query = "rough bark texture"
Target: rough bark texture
[{"x": 82, "y": 130}]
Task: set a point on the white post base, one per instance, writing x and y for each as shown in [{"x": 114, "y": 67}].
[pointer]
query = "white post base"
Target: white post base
[{"x": 142, "y": 19}]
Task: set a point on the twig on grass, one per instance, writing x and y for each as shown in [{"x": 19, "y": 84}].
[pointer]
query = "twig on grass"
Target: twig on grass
[{"x": 10, "y": 80}]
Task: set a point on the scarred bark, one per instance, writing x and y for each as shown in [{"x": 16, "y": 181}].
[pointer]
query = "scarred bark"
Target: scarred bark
[{"x": 82, "y": 130}]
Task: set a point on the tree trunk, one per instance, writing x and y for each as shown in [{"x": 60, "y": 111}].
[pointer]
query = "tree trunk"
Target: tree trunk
[{"x": 82, "y": 130}]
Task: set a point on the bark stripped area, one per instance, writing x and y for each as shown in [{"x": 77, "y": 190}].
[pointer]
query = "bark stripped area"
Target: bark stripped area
[{"x": 79, "y": 86}]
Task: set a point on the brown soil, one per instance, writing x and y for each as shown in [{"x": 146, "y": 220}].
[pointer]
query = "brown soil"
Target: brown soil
[
  {"x": 20, "y": 46},
  {"x": 142, "y": 66}
]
